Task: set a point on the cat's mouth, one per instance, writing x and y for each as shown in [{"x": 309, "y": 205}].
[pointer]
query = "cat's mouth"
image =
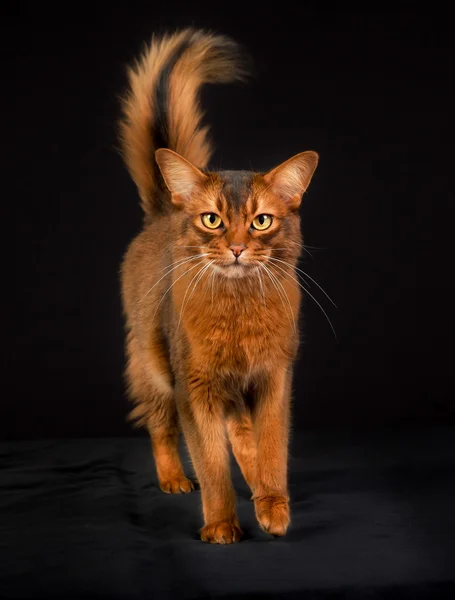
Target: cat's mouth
[
  {"x": 236, "y": 268},
  {"x": 237, "y": 264}
]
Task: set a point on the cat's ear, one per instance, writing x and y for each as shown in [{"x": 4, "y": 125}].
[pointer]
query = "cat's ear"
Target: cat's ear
[
  {"x": 180, "y": 176},
  {"x": 290, "y": 179}
]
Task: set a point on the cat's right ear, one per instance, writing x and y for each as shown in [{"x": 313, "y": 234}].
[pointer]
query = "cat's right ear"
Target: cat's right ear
[
  {"x": 181, "y": 177},
  {"x": 290, "y": 179}
]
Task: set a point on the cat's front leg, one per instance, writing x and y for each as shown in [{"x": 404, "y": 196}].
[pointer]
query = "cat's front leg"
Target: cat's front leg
[
  {"x": 271, "y": 425},
  {"x": 201, "y": 410},
  {"x": 241, "y": 436}
]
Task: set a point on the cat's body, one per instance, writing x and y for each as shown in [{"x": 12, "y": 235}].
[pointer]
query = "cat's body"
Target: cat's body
[{"x": 209, "y": 290}]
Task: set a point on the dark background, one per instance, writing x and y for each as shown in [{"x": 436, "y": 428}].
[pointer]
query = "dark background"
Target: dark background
[
  {"x": 372, "y": 466},
  {"x": 371, "y": 91}
]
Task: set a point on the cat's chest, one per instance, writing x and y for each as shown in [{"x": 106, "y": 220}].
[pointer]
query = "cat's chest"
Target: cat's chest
[{"x": 241, "y": 338}]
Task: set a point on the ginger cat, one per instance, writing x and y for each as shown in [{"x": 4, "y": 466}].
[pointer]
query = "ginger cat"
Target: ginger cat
[{"x": 209, "y": 289}]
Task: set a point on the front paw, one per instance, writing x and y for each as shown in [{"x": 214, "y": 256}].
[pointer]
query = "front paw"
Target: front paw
[
  {"x": 176, "y": 485},
  {"x": 272, "y": 512},
  {"x": 222, "y": 532}
]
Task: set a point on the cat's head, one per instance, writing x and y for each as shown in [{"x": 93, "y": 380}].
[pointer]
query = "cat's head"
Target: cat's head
[{"x": 238, "y": 219}]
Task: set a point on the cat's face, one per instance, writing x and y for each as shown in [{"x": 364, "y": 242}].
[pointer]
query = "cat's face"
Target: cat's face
[
  {"x": 238, "y": 220},
  {"x": 238, "y": 224}
]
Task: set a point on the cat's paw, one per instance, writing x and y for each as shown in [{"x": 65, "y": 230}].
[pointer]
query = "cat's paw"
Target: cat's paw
[
  {"x": 272, "y": 512},
  {"x": 177, "y": 485},
  {"x": 222, "y": 532}
]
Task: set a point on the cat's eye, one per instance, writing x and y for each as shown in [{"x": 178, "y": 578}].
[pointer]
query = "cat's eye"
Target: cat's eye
[
  {"x": 211, "y": 220},
  {"x": 262, "y": 222}
]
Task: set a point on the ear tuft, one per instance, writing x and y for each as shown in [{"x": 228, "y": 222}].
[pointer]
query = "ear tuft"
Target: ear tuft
[
  {"x": 290, "y": 179},
  {"x": 181, "y": 177}
]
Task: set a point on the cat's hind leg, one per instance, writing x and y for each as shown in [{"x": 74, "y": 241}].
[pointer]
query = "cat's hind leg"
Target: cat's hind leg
[{"x": 150, "y": 388}]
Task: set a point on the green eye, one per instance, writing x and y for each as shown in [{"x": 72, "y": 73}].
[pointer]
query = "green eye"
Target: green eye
[
  {"x": 211, "y": 220},
  {"x": 262, "y": 222}
]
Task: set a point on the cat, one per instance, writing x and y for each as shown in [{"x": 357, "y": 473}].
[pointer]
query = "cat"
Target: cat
[{"x": 209, "y": 289}]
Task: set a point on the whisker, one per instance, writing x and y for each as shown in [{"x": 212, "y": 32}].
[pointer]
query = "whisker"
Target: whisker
[
  {"x": 213, "y": 280},
  {"x": 307, "y": 246},
  {"x": 287, "y": 298},
  {"x": 273, "y": 283},
  {"x": 311, "y": 296},
  {"x": 192, "y": 246},
  {"x": 182, "y": 261},
  {"x": 273, "y": 277},
  {"x": 284, "y": 262},
  {"x": 261, "y": 283},
  {"x": 309, "y": 277},
  {"x": 169, "y": 245},
  {"x": 199, "y": 276},
  {"x": 177, "y": 246},
  {"x": 186, "y": 292},
  {"x": 167, "y": 273},
  {"x": 172, "y": 284},
  {"x": 300, "y": 246}
]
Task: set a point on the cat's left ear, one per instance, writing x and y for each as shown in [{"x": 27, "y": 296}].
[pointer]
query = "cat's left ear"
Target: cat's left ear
[
  {"x": 290, "y": 179},
  {"x": 181, "y": 177}
]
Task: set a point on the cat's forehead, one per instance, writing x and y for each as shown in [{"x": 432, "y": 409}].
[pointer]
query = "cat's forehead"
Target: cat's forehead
[{"x": 236, "y": 194}]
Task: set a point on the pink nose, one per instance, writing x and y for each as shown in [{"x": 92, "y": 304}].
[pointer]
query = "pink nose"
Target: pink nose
[{"x": 237, "y": 249}]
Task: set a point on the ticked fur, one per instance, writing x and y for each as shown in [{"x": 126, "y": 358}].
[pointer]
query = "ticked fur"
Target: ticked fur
[{"x": 211, "y": 313}]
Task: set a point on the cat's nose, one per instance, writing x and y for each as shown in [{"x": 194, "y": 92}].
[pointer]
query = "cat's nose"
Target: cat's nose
[{"x": 237, "y": 249}]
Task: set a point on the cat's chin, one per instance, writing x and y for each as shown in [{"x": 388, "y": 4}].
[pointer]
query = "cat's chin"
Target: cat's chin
[{"x": 234, "y": 270}]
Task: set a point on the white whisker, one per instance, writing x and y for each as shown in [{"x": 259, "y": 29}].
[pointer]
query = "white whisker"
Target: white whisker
[
  {"x": 172, "y": 284},
  {"x": 213, "y": 280},
  {"x": 191, "y": 247},
  {"x": 311, "y": 296},
  {"x": 169, "y": 245},
  {"x": 186, "y": 292},
  {"x": 261, "y": 283},
  {"x": 299, "y": 245},
  {"x": 306, "y": 246},
  {"x": 199, "y": 276},
  {"x": 167, "y": 273},
  {"x": 181, "y": 261},
  {"x": 273, "y": 277},
  {"x": 309, "y": 277}
]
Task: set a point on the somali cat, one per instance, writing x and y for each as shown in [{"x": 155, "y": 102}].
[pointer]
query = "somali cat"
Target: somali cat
[{"x": 209, "y": 289}]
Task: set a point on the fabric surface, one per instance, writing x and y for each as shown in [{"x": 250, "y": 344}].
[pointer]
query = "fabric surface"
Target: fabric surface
[{"x": 372, "y": 517}]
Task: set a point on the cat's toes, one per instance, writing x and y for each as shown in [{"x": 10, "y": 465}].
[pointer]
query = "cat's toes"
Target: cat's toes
[
  {"x": 221, "y": 532},
  {"x": 272, "y": 512},
  {"x": 177, "y": 485}
]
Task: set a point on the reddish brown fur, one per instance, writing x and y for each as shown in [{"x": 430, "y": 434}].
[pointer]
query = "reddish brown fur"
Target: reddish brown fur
[{"x": 212, "y": 350}]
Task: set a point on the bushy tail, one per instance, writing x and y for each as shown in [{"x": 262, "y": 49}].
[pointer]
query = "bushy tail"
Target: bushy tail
[{"x": 161, "y": 107}]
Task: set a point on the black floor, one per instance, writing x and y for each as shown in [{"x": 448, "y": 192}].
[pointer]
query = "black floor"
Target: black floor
[{"x": 373, "y": 517}]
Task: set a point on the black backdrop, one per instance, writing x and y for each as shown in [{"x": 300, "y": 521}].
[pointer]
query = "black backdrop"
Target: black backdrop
[{"x": 371, "y": 92}]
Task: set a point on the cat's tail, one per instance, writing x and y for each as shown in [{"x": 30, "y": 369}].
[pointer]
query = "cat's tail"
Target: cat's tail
[{"x": 161, "y": 107}]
